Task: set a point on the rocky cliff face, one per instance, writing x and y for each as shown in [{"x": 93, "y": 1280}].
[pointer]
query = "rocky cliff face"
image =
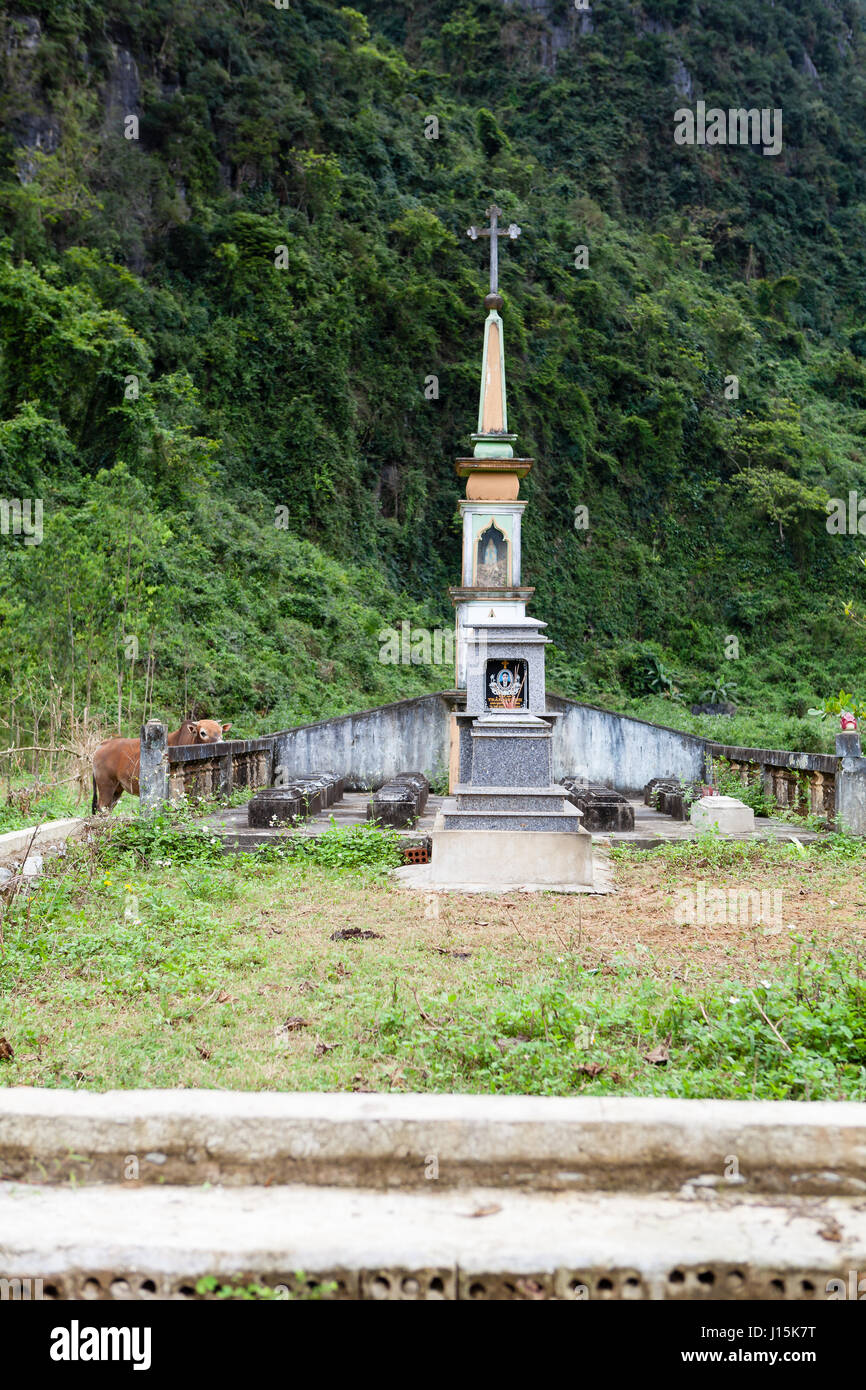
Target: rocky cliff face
[
  {"x": 29, "y": 113},
  {"x": 122, "y": 91}
]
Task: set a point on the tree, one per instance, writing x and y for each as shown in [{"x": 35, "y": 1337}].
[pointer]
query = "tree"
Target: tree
[{"x": 783, "y": 499}]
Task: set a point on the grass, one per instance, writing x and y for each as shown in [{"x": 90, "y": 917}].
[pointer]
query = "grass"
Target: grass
[
  {"x": 753, "y": 726},
  {"x": 31, "y": 807},
  {"x": 151, "y": 959},
  {"x": 25, "y": 803}
]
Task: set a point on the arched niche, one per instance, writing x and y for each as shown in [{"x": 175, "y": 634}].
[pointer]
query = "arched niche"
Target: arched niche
[{"x": 491, "y": 558}]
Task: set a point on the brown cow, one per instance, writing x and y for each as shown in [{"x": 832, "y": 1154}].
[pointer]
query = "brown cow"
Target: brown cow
[{"x": 116, "y": 762}]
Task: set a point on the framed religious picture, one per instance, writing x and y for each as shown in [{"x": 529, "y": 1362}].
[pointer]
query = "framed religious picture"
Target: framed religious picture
[{"x": 506, "y": 684}]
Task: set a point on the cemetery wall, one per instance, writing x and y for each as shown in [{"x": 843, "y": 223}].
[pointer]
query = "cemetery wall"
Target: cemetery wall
[
  {"x": 619, "y": 751},
  {"x": 806, "y": 783},
  {"x": 413, "y": 735},
  {"x": 371, "y": 747}
]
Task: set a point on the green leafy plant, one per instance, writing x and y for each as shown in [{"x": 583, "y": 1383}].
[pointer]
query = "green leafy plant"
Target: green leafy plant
[
  {"x": 729, "y": 783},
  {"x": 169, "y": 836},
  {"x": 350, "y": 848},
  {"x": 209, "y": 1286},
  {"x": 657, "y": 679},
  {"x": 720, "y": 692},
  {"x": 836, "y": 704}
]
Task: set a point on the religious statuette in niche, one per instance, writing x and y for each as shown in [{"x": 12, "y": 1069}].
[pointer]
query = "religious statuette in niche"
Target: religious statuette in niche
[
  {"x": 507, "y": 684},
  {"x": 491, "y": 571}
]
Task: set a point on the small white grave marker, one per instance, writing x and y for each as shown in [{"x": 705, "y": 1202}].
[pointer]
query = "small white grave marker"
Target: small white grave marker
[{"x": 723, "y": 813}]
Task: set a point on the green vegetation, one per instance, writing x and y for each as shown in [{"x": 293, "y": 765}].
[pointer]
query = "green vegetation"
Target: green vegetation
[
  {"x": 545, "y": 1039},
  {"x": 748, "y": 728},
  {"x": 728, "y": 783},
  {"x": 176, "y": 835},
  {"x": 304, "y": 1289},
  {"x": 152, "y": 959},
  {"x": 238, "y": 464},
  {"x": 33, "y": 805}
]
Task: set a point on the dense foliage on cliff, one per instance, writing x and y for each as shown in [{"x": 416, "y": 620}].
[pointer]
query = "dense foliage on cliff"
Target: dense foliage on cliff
[{"x": 216, "y": 338}]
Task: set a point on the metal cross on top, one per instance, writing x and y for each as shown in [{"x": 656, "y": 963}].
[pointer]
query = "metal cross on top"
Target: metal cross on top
[{"x": 494, "y": 231}]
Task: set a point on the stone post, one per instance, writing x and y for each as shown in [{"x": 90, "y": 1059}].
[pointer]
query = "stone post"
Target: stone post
[
  {"x": 850, "y": 784},
  {"x": 768, "y": 785},
  {"x": 153, "y": 771},
  {"x": 226, "y": 774}
]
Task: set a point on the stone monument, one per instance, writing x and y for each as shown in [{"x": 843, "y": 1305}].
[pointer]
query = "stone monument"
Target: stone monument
[{"x": 506, "y": 820}]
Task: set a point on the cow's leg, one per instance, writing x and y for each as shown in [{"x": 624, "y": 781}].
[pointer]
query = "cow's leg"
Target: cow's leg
[{"x": 107, "y": 790}]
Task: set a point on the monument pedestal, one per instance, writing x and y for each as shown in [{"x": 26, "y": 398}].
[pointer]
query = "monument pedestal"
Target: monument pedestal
[
  {"x": 536, "y": 809},
  {"x": 507, "y": 858},
  {"x": 507, "y": 821}
]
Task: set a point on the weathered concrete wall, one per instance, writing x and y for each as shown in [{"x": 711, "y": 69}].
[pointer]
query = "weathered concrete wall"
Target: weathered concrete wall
[
  {"x": 371, "y": 747},
  {"x": 590, "y": 742},
  {"x": 413, "y": 735},
  {"x": 619, "y": 751}
]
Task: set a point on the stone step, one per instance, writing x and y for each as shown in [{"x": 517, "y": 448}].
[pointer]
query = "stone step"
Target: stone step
[
  {"x": 566, "y": 819},
  {"x": 473, "y": 797},
  {"x": 344, "y": 1139},
  {"x": 116, "y": 1242},
  {"x": 139, "y": 1194},
  {"x": 482, "y": 789}
]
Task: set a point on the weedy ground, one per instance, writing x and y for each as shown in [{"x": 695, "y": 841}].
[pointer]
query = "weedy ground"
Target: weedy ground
[{"x": 150, "y": 958}]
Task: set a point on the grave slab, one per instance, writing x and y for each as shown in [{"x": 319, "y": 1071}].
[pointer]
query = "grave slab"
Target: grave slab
[{"x": 723, "y": 813}]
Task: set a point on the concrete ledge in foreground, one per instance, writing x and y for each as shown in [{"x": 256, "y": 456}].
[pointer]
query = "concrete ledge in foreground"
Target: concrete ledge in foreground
[
  {"x": 479, "y": 1243},
  {"x": 386, "y": 1141}
]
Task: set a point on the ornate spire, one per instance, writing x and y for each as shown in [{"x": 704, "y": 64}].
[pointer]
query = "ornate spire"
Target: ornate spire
[{"x": 492, "y": 439}]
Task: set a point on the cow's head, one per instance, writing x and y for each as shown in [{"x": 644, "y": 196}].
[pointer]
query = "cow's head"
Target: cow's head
[{"x": 205, "y": 730}]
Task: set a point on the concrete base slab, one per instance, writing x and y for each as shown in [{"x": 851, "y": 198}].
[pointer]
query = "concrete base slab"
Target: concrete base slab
[
  {"x": 651, "y": 827},
  {"x": 422, "y": 878},
  {"x": 478, "y": 1243},
  {"x": 544, "y": 858}
]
